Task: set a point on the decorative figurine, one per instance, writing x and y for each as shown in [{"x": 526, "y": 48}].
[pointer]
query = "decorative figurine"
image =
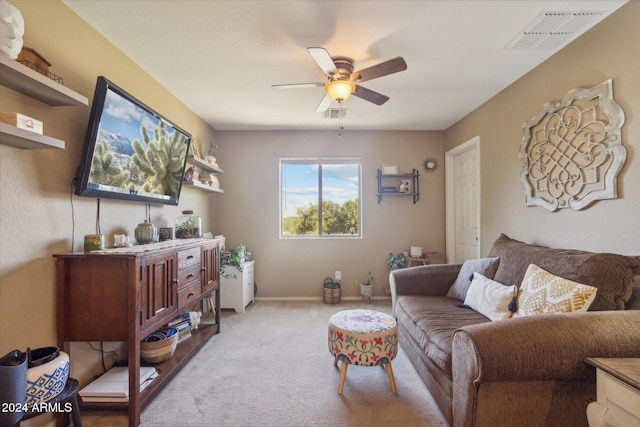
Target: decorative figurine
[{"x": 11, "y": 30}]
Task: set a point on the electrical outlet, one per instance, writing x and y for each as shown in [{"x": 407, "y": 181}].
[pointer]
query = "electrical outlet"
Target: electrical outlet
[{"x": 338, "y": 276}]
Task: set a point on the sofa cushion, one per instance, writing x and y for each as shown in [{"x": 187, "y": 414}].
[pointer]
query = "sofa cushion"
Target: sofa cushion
[
  {"x": 485, "y": 266},
  {"x": 542, "y": 292},
  {"x": 612, "y": 274},
  {"x": 634, "y": 301},
  {"x": 489, "y": 297},
  {"x": 431, "y": 321}
]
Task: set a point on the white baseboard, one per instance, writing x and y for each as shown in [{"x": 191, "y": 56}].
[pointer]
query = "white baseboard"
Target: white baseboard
[{"x": 349, "y": 298}]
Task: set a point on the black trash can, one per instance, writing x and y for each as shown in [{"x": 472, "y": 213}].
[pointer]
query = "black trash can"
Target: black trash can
[{"x": 13, "y": 377}]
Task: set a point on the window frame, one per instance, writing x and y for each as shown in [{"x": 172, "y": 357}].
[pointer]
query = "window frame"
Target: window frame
[{"x": 319, "y": 161}]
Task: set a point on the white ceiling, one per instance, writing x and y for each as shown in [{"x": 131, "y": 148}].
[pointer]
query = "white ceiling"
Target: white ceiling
[{"x": 221, "y": 57}]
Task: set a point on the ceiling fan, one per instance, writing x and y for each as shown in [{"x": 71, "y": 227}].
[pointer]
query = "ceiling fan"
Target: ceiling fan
[{"x": 343, "y": 81}]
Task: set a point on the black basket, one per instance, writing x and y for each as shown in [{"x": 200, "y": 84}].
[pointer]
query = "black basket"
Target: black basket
[{"x": 331, "y": 291}]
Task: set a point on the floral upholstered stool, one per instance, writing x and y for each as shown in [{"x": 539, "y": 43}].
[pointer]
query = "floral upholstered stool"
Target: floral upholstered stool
[{"x": 365, "y": 338}]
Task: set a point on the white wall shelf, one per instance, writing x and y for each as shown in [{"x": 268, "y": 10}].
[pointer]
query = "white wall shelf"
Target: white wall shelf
[
  {"x": 16, "y": 76},
  {"x": 25, "y": 139},
  {"x": 206, "y": 167},
  {"x": 199, "y": 163},
  {"x": 23, "y": 79},
  {"x": 200, "y": 186}
]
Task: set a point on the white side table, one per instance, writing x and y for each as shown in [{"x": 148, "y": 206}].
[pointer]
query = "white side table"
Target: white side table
[
  {"x": 237, "y": 286},
  {"x": 618, "y": 393}
]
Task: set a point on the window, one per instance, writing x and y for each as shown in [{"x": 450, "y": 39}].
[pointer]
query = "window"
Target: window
[{"x": 320, "y": 197}]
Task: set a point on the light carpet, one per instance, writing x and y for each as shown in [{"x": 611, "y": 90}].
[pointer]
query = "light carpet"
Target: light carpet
[{"x": 271, "y": 366}]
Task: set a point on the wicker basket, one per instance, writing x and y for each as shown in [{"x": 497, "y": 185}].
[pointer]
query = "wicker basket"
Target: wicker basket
[
  {"x": 331, "y": 291},
  {"x": 159, "y": 351}
]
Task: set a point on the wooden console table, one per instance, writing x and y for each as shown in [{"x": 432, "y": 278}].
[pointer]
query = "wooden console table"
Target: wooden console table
[
  {"x": 618, "y": 392},
  {"x": 125, "y": 294}
]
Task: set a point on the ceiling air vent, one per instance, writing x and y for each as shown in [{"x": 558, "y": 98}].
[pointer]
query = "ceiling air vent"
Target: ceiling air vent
[
  {"x": 335, "y": 113},
  {"x": 551, "y": 30}
]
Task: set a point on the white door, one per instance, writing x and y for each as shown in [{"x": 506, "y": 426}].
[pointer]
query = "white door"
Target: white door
[{"x": 463, "y": 202}]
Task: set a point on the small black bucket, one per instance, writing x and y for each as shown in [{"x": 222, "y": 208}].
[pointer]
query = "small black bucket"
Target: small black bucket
[{"x": 13, "y": 377}]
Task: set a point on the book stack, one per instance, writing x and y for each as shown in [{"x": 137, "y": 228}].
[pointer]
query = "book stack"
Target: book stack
[{"x": 182, "y": 324}]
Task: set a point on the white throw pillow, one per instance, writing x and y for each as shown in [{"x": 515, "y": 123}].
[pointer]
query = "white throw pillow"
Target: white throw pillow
[
  {"x": 489, "y": 297},
  {"x": 543, "y": 292}
]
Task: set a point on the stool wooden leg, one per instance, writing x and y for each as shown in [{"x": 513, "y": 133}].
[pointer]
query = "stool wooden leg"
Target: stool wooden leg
[
  {"x": 391, "y": 380},
  {"x": 335, "y": 361},
  {"x": 343, "y": 375},
  {"x": 75, "y": 412}
]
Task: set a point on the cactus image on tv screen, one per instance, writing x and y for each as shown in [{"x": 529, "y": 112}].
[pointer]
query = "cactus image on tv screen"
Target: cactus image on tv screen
[
  {"x": 139, "y": 153},
  {"x": 131, "y": 151}
]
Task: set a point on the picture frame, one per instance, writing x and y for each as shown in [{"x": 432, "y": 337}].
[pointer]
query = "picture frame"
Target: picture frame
[
  {"x": 195, "y": 148},
  {"x": 388, "y": 169}
]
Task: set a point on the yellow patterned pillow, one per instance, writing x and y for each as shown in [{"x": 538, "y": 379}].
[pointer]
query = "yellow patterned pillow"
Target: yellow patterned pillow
[{"x": 543, "y": 292}]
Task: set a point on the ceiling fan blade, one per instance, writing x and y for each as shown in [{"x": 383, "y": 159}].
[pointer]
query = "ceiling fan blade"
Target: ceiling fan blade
[
  {"x": 297, "y": 85},
  {"x": 382, "y": 69},
  {"x": 324, "y": 60},
  {"x": 324, "y": 104},
  {"x": 370, "y": 95}
]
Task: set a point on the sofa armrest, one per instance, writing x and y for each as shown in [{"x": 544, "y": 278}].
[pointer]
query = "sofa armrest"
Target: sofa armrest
[
  {"x": 432, "y": 280},
  {"x": 537, "y": 348}
]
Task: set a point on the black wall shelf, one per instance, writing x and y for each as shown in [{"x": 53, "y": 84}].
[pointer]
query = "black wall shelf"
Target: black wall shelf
[{"x": 388, "y": 185}]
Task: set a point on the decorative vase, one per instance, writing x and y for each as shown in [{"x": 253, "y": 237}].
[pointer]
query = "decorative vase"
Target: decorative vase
[
  {"x": 47, "y": 374},
  {"x": 366, "y": 290},
  {"x": 93, "y": 242},
  {"x": 146, "y": 232},
  {"x": 13, "y": 377},
  {"x": 416, "y": 252}
]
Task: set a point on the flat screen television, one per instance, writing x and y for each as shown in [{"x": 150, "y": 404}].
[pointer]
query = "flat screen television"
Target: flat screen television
[{"x": 131, "y": 152}]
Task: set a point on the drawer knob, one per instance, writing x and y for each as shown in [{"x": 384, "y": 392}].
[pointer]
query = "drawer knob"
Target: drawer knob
[
  {"x": 189, "y": 276},
  {"x": 189, "y": 256},
  {"x": 203, "y": 269},
  {"x": 190, "y": 294},
  {"x": 174, "y": 281}
]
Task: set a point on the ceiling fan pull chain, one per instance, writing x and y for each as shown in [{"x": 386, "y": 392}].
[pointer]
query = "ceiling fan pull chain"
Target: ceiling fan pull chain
[{"x": 340, "y": 114}]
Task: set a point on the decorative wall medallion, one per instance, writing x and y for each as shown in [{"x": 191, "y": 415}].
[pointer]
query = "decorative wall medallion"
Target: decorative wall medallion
[
  {"x": 571, "y": 151},
  {"x": 430, "y": 164}
]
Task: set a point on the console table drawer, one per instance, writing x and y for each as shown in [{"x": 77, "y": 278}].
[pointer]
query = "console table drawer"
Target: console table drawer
[
  {"x": 188, "y": 294},
  {"x": 188, "y": 257},
  {"x": 189, "y": 274}
]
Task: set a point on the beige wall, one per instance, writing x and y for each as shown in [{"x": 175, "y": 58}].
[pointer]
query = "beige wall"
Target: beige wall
[
  {"x": 35, "y": 185},
  {"x": 608, "y": 51},
  {"x": 248, "y": 211}
]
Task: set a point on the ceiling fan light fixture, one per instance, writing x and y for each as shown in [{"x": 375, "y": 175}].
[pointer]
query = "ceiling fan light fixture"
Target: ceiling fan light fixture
[{"x": 339, "y": 90}]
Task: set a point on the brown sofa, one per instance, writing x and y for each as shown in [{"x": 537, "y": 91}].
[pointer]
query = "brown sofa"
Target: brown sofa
[{"x": 525, "y": 371}]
